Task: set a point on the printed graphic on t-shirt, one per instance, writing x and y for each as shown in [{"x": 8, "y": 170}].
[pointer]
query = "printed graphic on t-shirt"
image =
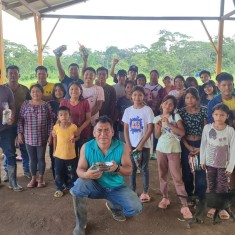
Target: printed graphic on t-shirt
[
  {"x": 136, "y": 124},
  {"x": 219, "y": 150}
]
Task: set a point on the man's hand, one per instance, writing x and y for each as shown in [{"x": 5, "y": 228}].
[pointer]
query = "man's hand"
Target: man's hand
[
  {"x": 113, "y": 167},
  {"x": 115, "y": 61},
  {"x": 93, "y": 174}
]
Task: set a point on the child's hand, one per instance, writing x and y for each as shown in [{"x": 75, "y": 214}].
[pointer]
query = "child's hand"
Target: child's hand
[
  {"x": 203, "y": 166},
  {"x": 139, "y": 147},
  {"x": 195, "y": 151},
  {"x": 49, "y": 141},
  {"x": 72, "y": 139},
  {"x": 20, "y": 138},
  {"x": 166, "y": 121},
  {"x": 53, "y": 133},
  {"x": 159, "y": 124},
  {"x": 227, "y": 173}
]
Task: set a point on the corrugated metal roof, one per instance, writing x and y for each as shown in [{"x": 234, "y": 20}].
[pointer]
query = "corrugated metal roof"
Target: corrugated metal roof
[{"x": 23, "y": 9}]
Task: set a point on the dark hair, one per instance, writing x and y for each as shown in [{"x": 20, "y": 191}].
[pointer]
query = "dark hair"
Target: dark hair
[
  {"x": 141, "y": 75},
  {"x": 205, "y": 72},
  {"x": 74, "y": 65},
  {"x": 102, "y": 69},
  {"x": 208, "y": 83},
  {"x": 61, "y": 87},
  {"x": 129, "y": 82},
  {"x": 167, "y": 76},
  {"x": 79, "y": 85},
  {"x": 179, "y": 77},
  {"x": 222, "y": 107},
  {"x": 104, "y": 119},
  {"x": 12, "y": 67},
  {"x": 138, "y": 88},
  {"x": 64, "y": 108},
  {"x": 41, "y": 68},
  {"x": 175, "y": 102},
  {"x": 155, "y": 71},
  {"x": 224, "y": 77},
  {"x": 189, "y": 80},
  {"x": 89, "y": 69},
  {"x": 37, "y": 86},
  {"x": 193, "y": 91}
]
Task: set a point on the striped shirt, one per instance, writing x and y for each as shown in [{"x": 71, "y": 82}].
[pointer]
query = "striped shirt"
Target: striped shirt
[{"x": 35, "y": 123}]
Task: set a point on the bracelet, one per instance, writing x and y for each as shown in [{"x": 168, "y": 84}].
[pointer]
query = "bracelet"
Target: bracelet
[{"x": 118, "y": 169}]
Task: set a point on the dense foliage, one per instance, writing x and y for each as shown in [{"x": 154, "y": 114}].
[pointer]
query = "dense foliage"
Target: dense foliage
[{"x": 172, "y": 53}]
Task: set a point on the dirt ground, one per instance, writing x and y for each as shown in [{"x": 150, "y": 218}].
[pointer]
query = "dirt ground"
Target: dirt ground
[{"x": 37, "y": 212}]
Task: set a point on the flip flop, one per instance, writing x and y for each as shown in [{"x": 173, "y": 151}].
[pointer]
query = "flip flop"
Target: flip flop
[
  {"x": 58, "y": 193},
  {"x": 164, "y": 203},
  {"x": 210, "y": 213},
  {"x": 144, "y": 197},
  {"x": 224, "y": 214},
  {"x": 186, "y": 213}
]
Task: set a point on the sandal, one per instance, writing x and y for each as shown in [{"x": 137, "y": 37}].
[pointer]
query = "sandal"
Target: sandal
[
  {"x": 32, "y": 184},
  {"x": 210, "y": 213},
  {"x": 144, "y": 197},
  {"x": 224, "y": 214},
  {"x": 164, "y": 203},
  {"x": 186, "y": 213},
  {"x": 58, "y": 193}
]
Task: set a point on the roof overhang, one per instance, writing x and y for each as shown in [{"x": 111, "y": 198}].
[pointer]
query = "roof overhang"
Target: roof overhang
[{"x": 23, "y": 9}]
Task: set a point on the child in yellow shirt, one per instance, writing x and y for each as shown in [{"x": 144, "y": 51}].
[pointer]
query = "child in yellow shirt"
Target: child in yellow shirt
[{"x": 64, "y": 133}]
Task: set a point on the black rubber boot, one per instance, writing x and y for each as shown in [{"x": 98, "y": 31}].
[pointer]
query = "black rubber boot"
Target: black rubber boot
[
  {"x": 79, "y": 204},
  {"x": 12, "y": 179}
]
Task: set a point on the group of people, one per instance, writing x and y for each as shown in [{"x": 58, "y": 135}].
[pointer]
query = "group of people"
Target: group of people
[{"x": 188, "y": 127}]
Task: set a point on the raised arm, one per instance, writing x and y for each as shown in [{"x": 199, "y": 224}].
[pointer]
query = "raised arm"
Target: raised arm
[
  {"x": 114, "y": 63},
  {"x": 60, "y": 69}
]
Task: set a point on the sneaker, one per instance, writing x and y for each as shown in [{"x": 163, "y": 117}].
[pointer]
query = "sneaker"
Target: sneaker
[
  {"x": 153, "y": 156},
  {"x": 5, "y": 178},
  {"x": 117, "y": 214},
  {"x": 27, "y": 174}
]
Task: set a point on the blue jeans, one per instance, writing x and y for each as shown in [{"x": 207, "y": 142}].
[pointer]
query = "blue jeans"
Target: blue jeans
[
  {"x": 37, "y": 159},
  {"x": 7, "y": 143},
  {"x": 144, "y": 169},
  {"x": 121, "y": 198},
  {"x": 188, "y": 177},
  {"x": 25, "y": 159}
]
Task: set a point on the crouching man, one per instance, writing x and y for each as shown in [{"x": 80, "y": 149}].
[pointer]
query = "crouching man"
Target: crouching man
[{"x": 94, "y": 183}]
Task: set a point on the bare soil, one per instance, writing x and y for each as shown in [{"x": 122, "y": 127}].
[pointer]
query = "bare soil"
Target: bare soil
[{"x": 37, "y": 212}]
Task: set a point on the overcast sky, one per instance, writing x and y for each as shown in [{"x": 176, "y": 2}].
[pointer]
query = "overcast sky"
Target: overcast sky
[{"x": 99, "y": 34}]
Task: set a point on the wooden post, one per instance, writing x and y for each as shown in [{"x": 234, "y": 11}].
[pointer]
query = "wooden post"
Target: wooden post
[
  {"x": 2, "y": 63},
  {"x": 38, "y": 30},
  {"x": 220, "y": 40}
]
